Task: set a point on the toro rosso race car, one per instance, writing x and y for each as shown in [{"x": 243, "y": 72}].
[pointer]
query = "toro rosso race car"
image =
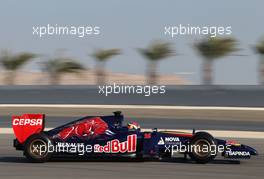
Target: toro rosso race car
[{"x": 106, "y": 136}]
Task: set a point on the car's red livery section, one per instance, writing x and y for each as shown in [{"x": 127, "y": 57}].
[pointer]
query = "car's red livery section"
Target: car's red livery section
[
  {"x": 90, "y": 127},
  {"x": 26, "y": 125}
]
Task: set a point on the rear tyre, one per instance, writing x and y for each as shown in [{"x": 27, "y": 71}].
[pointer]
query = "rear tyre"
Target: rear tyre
[
  {"x": 204, "y": 147},
  {"x": 36, "y": 148}
]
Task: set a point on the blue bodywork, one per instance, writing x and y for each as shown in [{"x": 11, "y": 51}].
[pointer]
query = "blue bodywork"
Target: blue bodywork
[{"x": 149, "y": 144}]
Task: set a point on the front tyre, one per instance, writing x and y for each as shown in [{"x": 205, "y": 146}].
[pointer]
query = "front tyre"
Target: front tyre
[
  {"x": 36, "y": 148},
  {"x": 204, "y": 147}
]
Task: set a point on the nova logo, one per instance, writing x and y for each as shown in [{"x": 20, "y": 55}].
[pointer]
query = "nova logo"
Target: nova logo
[
  {"x": 161, "y": 141},
  {"x": 172, "y": 139}
]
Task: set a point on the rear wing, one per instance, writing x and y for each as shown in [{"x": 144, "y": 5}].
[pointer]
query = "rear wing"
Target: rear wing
[{"x": 26, "y": 125}]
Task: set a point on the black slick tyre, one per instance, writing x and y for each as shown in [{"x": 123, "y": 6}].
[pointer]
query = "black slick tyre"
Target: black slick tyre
[
  {"x": 36, "y": 148},
  {"x": 204, "y": 147}
]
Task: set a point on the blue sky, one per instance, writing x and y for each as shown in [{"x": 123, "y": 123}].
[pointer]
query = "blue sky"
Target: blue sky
[{"x": 130, "y": 24}]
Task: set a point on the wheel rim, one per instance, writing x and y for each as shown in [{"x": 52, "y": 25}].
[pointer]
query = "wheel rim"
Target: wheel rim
[
  {"x": 38, "y": 148},
  {"x": 200, "y": 146}
]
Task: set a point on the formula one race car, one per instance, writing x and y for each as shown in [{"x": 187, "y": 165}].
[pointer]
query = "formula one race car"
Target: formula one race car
[{"x": 105, "y": 136}]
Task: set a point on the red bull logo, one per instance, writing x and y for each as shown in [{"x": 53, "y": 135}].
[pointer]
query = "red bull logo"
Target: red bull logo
[{"x": 115, "y": 146}]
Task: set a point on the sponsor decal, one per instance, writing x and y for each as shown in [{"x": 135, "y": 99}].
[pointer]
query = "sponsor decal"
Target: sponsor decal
[
  {"x": 26, "y": 125},
  {"x": 115, "y": 146},
  {"x": 168, "y": 140},
  {"x": 172, "y": 139},
  {"x": 232, "y": 142},
  {"x": 31, "y": 122},
  {"x": 238, "y": 153},
  {"x": 68, "y": 144},
  {"x": 161, "y": 141},
  {"x": 147, "y": 135}
]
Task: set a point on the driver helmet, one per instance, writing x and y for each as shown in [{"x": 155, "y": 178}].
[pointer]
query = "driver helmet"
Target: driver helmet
[{"x": 133, "y": 126}]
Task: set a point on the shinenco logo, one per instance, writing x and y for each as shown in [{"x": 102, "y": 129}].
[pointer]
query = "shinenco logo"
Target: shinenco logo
[{"x": 115, "y": 146}]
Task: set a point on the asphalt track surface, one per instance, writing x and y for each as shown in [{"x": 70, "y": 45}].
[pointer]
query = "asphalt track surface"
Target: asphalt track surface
[
  {"x": 14, "y": 165},
  {"x": 162, "y": 123},
  {"x": 252, "y": 96}
]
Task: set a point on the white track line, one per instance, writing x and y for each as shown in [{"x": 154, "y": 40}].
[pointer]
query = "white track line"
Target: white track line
[
  {"x": 216, "y": 133},
  {"x": 131, "y": 107}
]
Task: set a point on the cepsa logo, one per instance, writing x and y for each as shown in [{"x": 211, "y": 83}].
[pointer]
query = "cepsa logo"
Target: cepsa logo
[
  {"x": 24, "y": 122},
  {"x": 115, "y": 146}
]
